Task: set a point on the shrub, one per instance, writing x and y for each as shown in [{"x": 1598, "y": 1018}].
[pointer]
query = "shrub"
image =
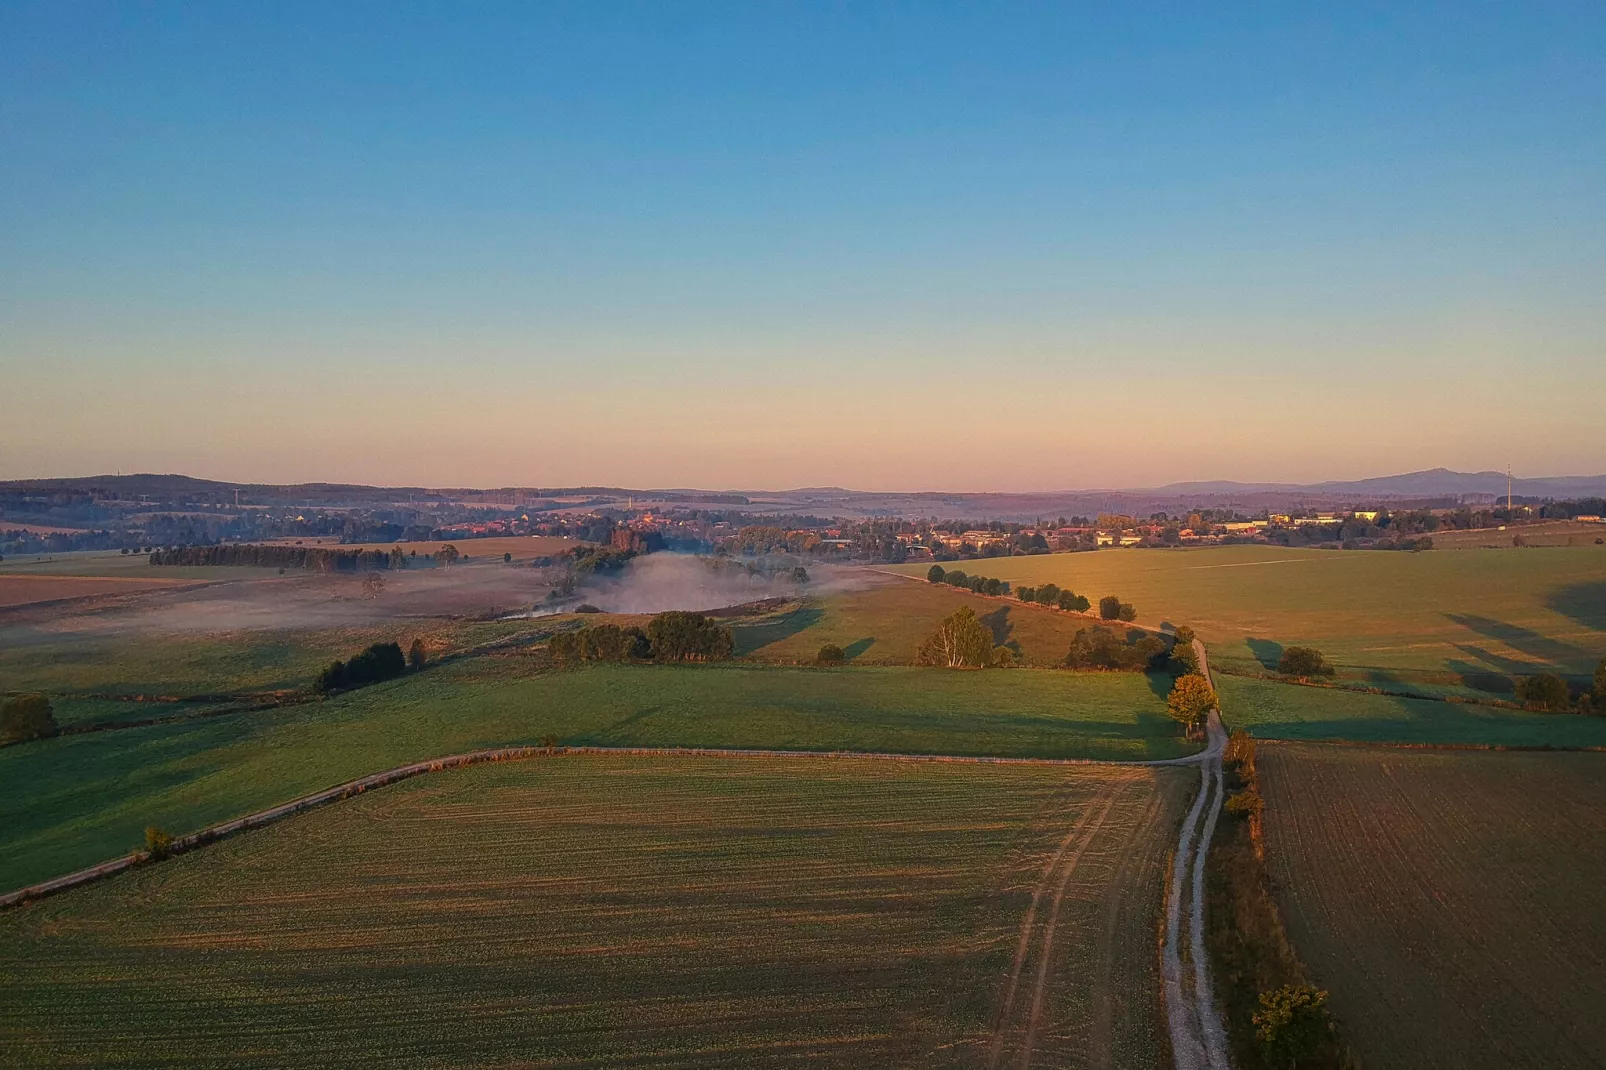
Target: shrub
[
  {"x": 26, "y": 717},
  {"x": 960, "y": 642},
  {"x": 416, "y": 655},
  {"x": 1547, "y": 691},
  {"x": 158, "y": 842},
  {"x": 1184, "y": 659},
  {"x": 1126, "y": 611},
  {"x": 1109, "y": 607},
  {"x": 934, "y": 574},
  {"x": 681, "y": 636},
  {"x": 1072, "y": 602},
  {"x": 1246, "y": 803},
  {"x": 1003, "y": 658},
  {"x": 586, "y": 607},
  {"x": 1049, "y": 594},
  {"x": 609, "y": 642},
  {"x": 1303, "y": 661},
  {"x": 1026, "y": 594},
  {"x": 956, "y": 578},
  {"x": 1293, "y": 1024},
  {"x": 831, "y": 654},
  {"x": 993, "y": 587},
  {"x": 1185, "y": 634}
]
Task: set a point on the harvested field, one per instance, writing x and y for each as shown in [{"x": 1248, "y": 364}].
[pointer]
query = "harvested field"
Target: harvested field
[
  {"x": 20, "y": 589},
  {"x": 645, "y": 912},
  {"x": 1476, "y": 615},
  {"x": 1452, "y": 903},
  {"x": 885, "y": 622}
]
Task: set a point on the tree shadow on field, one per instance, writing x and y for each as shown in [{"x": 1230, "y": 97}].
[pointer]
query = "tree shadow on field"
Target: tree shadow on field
[
  {"x": 761, "y": 633},
  {"x": 1002, "y": 627},
  {"x": 1523, "y": 640},
  {"x": 1479, "y": 678},
  {"x": 1265, "y": 651},
  {"x": 857, "y": 647},
  {"x": 1160, "y": 683},
  {"x": 1583, "y": 602}
]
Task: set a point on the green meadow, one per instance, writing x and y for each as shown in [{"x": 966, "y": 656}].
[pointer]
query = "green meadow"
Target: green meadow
[{"x": 79, "y": 799}]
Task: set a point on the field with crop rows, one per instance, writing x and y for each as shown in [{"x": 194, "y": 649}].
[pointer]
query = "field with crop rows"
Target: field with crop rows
[
  {"x": 77, "y": 800},
  {"x": 647, "y": 912},
  {"x": 1452, "y": 903},
  {"x": 884, "y": 623},
  {"x": 1473, "y": 613}
]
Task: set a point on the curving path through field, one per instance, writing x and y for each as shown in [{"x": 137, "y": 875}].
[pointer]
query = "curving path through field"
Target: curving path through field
[{"x": 1198, "y": 1041}]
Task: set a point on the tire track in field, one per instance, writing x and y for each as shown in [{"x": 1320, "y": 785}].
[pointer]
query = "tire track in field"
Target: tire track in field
[
  {"x": 1028, "y": 923},
  {"x": 1045, "y": 952}
]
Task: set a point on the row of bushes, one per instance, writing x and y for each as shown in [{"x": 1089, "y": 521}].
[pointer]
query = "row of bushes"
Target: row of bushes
[
  {"x": 1050, "y": 594},
  {"x": 975, "y": 584},
  {"x": 673, "y": 636},
  {"x": 382, "y": 661},
  {"x": 1275, "y": 1017}
]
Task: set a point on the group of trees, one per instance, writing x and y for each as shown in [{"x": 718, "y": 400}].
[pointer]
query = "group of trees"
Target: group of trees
[
  {"x": 1052, "y": 595},
  {"x": 962, "y": 641},
  {"x": 26, "y": 717},
  {"x": 381, "y": 661},
  {"x": 1112, "y": 608},
  {"x": 957, "y": 578},
  {"x": 310, "y": 557},
  {"x": 1101, "y": 648},
  {"x": 672, "y": 636},
  {"x": 1303, "y": 662},
  {"x": 1548, "y": 692}
]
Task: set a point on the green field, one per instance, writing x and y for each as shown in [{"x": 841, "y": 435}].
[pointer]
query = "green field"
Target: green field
[
  {"x": 885, "y": 622},
  {"x": 1450, "y": 903},
  {"x": 629, "y": 911},
  {"x": 1274, "y": 710},
  {"x": 1478, "y": 614},
  {"x": 77, "y": 800}
]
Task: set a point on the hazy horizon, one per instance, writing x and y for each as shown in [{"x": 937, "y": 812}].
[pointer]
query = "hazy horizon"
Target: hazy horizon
[{"x": 1012, "y": 249}]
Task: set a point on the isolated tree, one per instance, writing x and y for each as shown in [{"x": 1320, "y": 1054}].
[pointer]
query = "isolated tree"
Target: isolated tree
[
  {"x": 372, "y": 585},
  {"x": 1191, "y": 699},
  {"x": 416, "y": 655},
  {"x": 1126, "y": 611},
  {"x": 1109, "y": 607},
  {"x": 1303, "y": 661},
  {"x": 934, "y": 574},
  {"x": 960, "y": 642},
  {"x": 507, "y": 558},
  {"x": 1547, "y": 691},
  {"x": 447, "y": 554},
  {"x": 26, "y": 717},
  {"x": 831, "y": 654}
]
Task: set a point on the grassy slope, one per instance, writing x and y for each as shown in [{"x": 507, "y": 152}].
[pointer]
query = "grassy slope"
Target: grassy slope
[
  {"x": 1486, "y": 611},
  {"x": 76, "y": 800},
  {"x": 1451, "y": 903},
  {"x": 884, "y": 624},
  {"x": 608, "y": 912},
  {"x": 1273, "y": 710}
]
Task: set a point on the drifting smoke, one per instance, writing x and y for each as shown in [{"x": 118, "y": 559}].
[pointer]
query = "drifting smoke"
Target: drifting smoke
[{"x": 664, "y": 581}]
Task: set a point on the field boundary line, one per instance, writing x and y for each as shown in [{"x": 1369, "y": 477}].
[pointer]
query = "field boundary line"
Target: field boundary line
[{"x": 213, "y": 833}]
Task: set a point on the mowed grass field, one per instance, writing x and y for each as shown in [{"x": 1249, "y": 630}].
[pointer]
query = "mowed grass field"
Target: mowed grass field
[
  {"x": 1452, "y": 903},
  {"x": 1472, "y": 613},
  {"x": 76, "y": 800},
  {"x": 599, "y": 911},
  {"x": 885, "y": 621}
]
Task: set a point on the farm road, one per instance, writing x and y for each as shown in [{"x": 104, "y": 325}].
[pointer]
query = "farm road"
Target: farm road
[{"x": 1198, "y": 1041}]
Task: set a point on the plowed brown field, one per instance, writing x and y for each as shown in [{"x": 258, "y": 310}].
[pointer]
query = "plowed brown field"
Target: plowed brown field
[
  {"x": 1453, "y": 903},
  {"x": 24, "y": 589},
  {"x": 611, "y": 911}
]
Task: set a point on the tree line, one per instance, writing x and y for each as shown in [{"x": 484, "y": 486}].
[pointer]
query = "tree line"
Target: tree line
[
  {"x": 320, "y": 558},
  {"x": 974, "y": 584},
  {"x": 668, "y": 637}
]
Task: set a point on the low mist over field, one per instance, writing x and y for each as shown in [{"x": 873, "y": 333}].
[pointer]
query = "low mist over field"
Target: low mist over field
[{"x": 661, "y": 582}]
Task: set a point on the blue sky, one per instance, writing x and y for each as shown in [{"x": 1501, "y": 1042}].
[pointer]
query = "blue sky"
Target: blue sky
[{"x": 975, "y": 246}]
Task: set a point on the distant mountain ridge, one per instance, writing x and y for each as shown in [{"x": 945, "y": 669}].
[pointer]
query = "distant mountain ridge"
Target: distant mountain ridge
[{"x": 1429, "y": 483}]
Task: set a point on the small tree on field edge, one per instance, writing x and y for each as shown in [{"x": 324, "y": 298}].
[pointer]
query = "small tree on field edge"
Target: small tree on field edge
[
  {"x": 934, "y": 574},
  {"x": 416, "y": 655},
  {"x": 158, "y": 842},
  {"x": 1292, "y": 1024},
  {"x": 26, "y": 717},
  {"x": 1109, "y": 607},
  {"x": 831, "y": 654},
  {"x": 960, "y": 642},
  {"x": 1126, "y": 611},
  {"x": 1547, "y": 691},
  {"x": 1303, "y": 661},
  {"x": 1191, "y": 699}
]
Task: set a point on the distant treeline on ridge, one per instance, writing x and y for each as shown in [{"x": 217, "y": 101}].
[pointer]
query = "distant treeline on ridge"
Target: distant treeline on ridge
[{"x": 314, "y": 557}]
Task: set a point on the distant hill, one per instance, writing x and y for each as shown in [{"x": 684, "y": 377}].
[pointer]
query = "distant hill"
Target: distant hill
[{"x": 1431, "y": 483}]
